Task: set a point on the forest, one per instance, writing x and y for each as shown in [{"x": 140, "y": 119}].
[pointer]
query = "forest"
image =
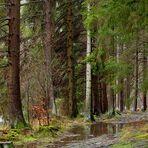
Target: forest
[{"x": 73, "y": 73}]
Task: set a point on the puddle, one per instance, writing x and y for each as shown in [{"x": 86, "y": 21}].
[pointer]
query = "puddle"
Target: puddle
[{"x": 77, "y": 133}]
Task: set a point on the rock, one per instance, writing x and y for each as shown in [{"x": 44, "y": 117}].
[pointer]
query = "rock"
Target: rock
[{"x": 6, "y": 144}]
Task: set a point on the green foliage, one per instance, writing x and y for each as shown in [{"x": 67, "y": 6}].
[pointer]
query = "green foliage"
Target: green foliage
[
  {"x": 145, "y": 85},
  {"x": 91, "y": 59},
  {"x": 142, "y": 136},
  {"x": 116, "y": 70},
  {"x": 95, "y": 60},
  {"x": 128, "y": 102},
  {"x": 3, "y": 62},
  {"x": 49, "y": 130},
  {"x": 13, "y": 134},
  {"x": 21, "y": 125},
  {"x": 116, "y": 18},
  {"x": 27, "y": 31}
]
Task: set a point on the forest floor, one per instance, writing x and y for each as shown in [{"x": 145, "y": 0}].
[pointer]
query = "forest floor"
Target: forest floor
[
  {"x": 127, "y": 130},
  {"x": 131, "y": 131}
]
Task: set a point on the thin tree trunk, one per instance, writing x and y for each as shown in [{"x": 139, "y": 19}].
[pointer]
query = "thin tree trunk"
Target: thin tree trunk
[
  {"x": 144, "y": 93},
  {"x": 104, "y": 101},
  {"x": 127, "y": 90},
  {"x": 136, "y": 78},
  {"x": 121, "y": 97},
  {"x": 100, "y": 95},
  {"x": 15, "y": 108},
  {"x": 28, "y": 101},
  {"x": 117, "y": 100},
  {"x": 95, "y": 91},
  {"x": 104, "y": 98},
  {"x": 113, "y": 100},
  {"x": 48, "y": 44}
]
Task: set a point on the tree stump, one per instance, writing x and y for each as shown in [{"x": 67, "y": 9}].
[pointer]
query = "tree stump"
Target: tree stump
[{"x": 6, "y": 144}]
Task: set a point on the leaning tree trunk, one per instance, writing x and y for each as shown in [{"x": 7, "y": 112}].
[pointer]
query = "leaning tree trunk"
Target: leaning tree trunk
[
  {"x": 48, "y": 44},
  {"x": 72, "y": 102},
  {"x": 15, "y": 108}
]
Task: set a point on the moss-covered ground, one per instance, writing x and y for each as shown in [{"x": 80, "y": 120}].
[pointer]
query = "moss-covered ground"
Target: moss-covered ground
[
  {"x": 134, "y": 136},
  {"x": 58, "y": 125},
  {"x": 134, "y": 133}
]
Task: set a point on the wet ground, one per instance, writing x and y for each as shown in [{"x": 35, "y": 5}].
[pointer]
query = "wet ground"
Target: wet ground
[
  {"x": 96, "y": 135},
  {"x": 82, "y": 136}
]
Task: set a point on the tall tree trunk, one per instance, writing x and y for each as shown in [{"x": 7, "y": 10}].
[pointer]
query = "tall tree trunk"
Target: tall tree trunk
[
  {"x": 136, "y": 77},
  {"x": 28, "y": 101},
  {"x": 88, "y": 71},
  {"x": 117, "y": 100},
  {"x": 113, "y": 101},
  {"x": 121, "y": 97},
  {"x": 95, "y": 91},
  {"x": 104, "y": 98},
  {"x": 72, "y": 102},
  {"x": 48, "y": 44},
  {"x": 15, "y": 108},
  {"x": 144, "y": 93},
  {"x": 127, "y": 92}
]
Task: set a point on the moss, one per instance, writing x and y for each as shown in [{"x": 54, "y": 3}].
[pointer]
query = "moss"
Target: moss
[
  {"x": 51, "y": 130},
  {"x": 46, "y": 133},
  {"x": 124, "y": 145},
  {"x": 13, "y": 134},
  {"x": 21, "y": 125},
  {"x": 28, "y": 138},
  {"x": 4, "y": 138},
  {"x": 142, "y": 136}
]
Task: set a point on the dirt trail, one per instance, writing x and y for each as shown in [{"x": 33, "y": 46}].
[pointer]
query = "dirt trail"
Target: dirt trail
[
  {"x": 134, "y": 120},
  {"x": 101, "y": 134}
]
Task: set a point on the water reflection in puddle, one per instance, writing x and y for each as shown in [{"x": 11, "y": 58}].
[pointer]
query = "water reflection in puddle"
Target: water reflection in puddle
[
  {"x": 101, "y": 128},
  {"x": 77, "y": 133}
]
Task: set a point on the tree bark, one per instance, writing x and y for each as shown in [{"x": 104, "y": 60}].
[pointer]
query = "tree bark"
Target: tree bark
[
  {"x": 113, "y": 102},
  {"x": 104, "y": 98},
  {"x": 144, "y": 93},
  {"x": 88, "y": 71},
  {"x": 72, "y": 102},
  {"x": 136, "y": 77},
  {"x": 127, "y": 92},
  {"x": 95, "y": 91},
  {"x": 121, "y": 97},
  {"x": 117, "y": 99},
  {"x": 15, "y": 105},
  {"x": 48, "y": 50}
]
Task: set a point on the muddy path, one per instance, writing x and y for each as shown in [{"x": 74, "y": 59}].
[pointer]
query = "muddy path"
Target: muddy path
[
  {"x": 96, "y": 135},
  {"x": 88, "y": 136}
]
